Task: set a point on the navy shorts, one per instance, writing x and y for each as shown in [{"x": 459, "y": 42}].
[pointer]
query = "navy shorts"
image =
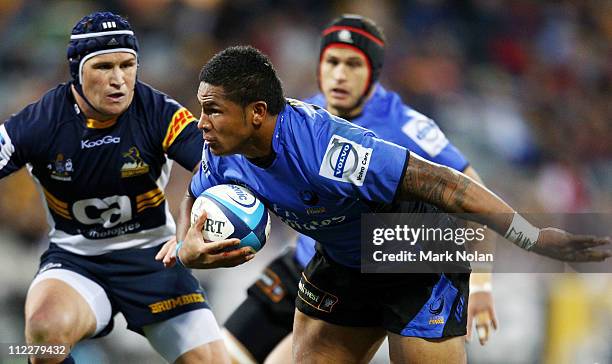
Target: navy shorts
[{"x": 136, "y": 284}]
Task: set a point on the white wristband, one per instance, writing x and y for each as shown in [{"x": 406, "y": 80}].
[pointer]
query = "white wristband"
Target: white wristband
[
  {"x": 485, "y": 287},
  {"x": 522, "y": 233}
]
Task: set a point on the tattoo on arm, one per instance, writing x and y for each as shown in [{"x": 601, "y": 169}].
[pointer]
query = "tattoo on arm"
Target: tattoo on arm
[
  {"x": 435, "y": 184},
  {"x": 454, "y": 192}
]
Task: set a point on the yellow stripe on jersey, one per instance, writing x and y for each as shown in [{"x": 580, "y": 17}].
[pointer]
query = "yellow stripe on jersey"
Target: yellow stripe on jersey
[
  {"x": 181, "y": 118},
  {"x": 151, "y": 203},
  {"x": 57, "y": 206},
  {"x": 55, "y": 201},
  {"x": 67, "y": 217},
  {"x": 148, "y": 195},
  {"x": 95, "y": 124},
  {"x": 149, "y": 199}
]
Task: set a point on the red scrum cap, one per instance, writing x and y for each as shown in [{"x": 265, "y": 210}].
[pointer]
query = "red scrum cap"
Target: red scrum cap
[{"x": 361, "y": 34}]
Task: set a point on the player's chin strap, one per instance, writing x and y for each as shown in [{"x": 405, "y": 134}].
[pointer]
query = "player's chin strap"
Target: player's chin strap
[
  {"x": 359, "y": 103},
  {"x": 364, "y": 97},
  {"x": 79, "y": 89}
]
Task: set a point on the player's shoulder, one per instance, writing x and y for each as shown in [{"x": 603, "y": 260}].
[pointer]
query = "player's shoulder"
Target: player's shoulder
[
  {"x": 391, "y": 106},
  {"x": 52, "y": 109},
  {"x": 159, "y": 107},
  {"x": 402, "y": 116},
  {"x": 318, "y": 99},
  {"x": 151, "y": 98},
  {"x": 301, "y": 117},
  {"x": 313, "y": 119}
]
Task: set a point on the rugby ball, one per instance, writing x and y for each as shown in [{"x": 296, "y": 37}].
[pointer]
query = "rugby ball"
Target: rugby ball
[{"x": 232, "y": 212}]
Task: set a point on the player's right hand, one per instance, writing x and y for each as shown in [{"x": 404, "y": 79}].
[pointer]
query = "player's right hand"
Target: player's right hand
[
  {"x": 481, "y": 313},
  {"x": 196, "y": 253},
  {"x": 166, "y": 253},
  {"x": 561, "y": 245}
]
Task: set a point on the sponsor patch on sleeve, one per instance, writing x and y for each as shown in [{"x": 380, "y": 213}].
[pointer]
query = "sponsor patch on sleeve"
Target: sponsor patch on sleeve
[
  {"x": 425, "y": 132},
  {"x": 345, "y": 161},
  {"x": 181, "y": 118}
]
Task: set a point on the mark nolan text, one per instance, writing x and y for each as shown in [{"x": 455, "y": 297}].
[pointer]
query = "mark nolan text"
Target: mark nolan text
[{"x": 429, "y": 256}]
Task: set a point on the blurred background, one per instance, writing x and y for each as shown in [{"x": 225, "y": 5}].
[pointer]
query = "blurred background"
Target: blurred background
[{"x": 523, "y": 88}]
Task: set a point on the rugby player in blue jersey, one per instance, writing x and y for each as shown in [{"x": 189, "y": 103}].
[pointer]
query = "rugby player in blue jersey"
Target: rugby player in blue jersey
[
  {"x": 350, "y": 61},
  {"x": 280, "y": 148},
  {"x": 99, "y": 148}
]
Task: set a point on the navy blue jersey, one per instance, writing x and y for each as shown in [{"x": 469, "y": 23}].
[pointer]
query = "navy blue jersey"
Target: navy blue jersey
[
  {"x": 102, "y": 182},
  {"x": 386, "y": 115},
  {"x": 325, "y": 174}
]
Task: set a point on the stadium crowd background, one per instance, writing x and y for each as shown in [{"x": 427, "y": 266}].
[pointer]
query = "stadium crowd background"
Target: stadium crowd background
[{"x": 523, "y": 88}]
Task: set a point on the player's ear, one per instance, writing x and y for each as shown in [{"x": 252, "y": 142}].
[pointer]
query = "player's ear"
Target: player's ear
[{"x": 259, "y": 109}]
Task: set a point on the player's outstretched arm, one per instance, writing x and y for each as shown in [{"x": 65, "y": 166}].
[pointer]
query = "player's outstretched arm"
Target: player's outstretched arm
[{"x": 454, "y": 192}]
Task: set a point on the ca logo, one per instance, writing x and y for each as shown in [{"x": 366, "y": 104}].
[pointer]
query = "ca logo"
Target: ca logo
[{"x": 109, "y": 211}]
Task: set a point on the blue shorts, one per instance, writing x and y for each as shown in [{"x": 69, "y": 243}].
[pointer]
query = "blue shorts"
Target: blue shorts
[{"x": 135, "y": 283}]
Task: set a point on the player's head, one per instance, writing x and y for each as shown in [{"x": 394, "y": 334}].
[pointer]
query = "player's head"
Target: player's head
[
  {"x": 103, "y": 60},
  {"x": 350, "y": 61},
  {"x": 238, "y": 90}
]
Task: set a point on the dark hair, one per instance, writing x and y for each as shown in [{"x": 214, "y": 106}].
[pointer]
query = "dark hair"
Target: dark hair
[{"x": 246, "y": 76}]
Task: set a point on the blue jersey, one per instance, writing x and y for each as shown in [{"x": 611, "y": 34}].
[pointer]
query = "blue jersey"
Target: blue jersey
[
  {"x": 325, "y": 174},
  {"x": 102, "y": 182},
  {"x": 386, "y": 115}
]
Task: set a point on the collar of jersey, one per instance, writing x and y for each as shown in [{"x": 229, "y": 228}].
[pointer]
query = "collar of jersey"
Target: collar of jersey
[
  {"x": 276, "y": 143},
  {"x": 277, "y": 129},
  {"x": 95, "y": 124},
  {"x": 89, "y": 123}
]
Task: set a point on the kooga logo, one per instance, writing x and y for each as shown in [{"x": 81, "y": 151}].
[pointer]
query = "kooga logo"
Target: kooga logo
[{"x": 86, "y": 144}]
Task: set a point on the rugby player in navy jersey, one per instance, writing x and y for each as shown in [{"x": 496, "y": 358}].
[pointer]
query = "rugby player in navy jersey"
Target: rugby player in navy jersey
[
  {"x": 280, "y": 148},
  {"x": 99, "y": 146},
  {"x": 350, "y": 61}
]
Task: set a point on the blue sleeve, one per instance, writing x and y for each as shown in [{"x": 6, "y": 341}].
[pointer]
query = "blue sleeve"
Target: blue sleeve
[
  {"x": 427, "y": 140},
  {"x": 451, "y": 156},
  {"x": 354, "y": 161},
  {"x": 317, "y": 99},
  {"x": 203, "y": 178}
]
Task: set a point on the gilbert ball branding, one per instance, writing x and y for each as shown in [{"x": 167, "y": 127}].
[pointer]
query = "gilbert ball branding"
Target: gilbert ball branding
[{"x": 233, "y": 212}]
